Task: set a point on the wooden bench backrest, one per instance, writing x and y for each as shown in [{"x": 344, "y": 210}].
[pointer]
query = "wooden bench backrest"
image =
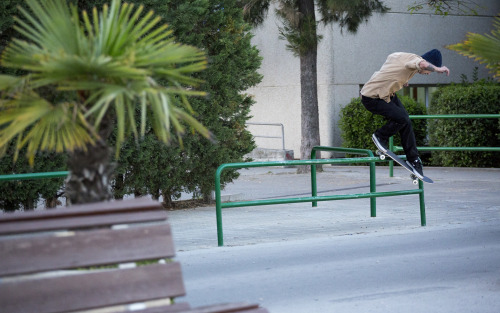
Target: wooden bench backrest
[
  {"x": 42, "y": 272},
  {"x": 96, "y": 214}
]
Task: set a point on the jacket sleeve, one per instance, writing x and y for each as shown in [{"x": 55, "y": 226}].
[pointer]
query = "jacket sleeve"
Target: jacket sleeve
[{"x": 413, "y": 62}]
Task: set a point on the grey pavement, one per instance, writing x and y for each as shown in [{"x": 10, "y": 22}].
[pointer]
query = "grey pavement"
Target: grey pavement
[{"x": 335, "y": 257}]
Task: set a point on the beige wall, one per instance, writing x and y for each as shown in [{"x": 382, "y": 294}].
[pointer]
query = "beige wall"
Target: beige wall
[{"x": 347, "y": 60}]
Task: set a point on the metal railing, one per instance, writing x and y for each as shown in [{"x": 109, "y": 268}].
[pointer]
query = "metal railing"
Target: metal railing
[
  {"x": 282, "y": 137},
  {"x": 314, "y": 198},
  {"x": 395, "y": 149},
  {"x": 27, "y": 176}
]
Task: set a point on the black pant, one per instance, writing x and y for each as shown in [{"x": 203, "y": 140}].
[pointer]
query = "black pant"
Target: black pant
[{"x": 398, "y": 121}]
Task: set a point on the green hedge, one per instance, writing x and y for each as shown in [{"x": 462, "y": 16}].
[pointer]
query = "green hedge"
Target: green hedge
[
  {"x": 24, "y": 194},
  {"x": 149, "y": 167},
  {"x": 477, "y": 98},
  {"x": 358, "y": 124}
]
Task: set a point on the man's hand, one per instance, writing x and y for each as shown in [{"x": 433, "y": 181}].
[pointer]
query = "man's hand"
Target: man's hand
[
  {"x": 426, "y": 68},
  {"x": 443, "y": 69}
]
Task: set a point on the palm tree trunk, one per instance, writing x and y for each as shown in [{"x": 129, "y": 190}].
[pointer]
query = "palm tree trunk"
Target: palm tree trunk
[
  {"x": 91, "y": 171},
  {"x": 309, "y": 89}
]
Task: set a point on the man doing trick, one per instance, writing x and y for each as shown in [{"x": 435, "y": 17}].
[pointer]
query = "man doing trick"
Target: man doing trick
[{"x": 378, "y": 96}]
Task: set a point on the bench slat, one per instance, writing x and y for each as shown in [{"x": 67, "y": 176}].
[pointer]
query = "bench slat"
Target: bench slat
[
  {"x": 242, "y": 307},
  {"x": 130, "y": 205},
  {"x": 174, "y": 308},
  {"x": 19, "y": 227},
  {"x": 87, "y": 248},
  {"x": 227, "y": 308},
  {"x": 92, "y": 290}
]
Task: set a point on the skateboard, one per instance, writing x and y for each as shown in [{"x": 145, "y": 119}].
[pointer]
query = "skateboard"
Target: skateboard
[{"x": 398, "y": 160}]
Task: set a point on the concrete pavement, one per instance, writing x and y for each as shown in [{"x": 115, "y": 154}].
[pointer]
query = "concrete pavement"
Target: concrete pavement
[
  {"x": 458, "y": 196},
  {"x": 335, "y": 257}
]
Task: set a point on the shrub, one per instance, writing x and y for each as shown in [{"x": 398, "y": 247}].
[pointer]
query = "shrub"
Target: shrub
[
  {"x": 477, "y": 98},
  {"x": 358, "y": 124},
  {"x": 149, "y": 167},
  {"x": 217, "y": 27},
  {"x": 25, "y": 194}
]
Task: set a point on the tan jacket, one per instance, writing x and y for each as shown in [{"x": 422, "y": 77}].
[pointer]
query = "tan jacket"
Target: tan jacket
[{"x": 397, "y": 70}]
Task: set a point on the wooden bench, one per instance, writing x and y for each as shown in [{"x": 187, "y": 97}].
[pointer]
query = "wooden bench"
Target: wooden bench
[{"x": 84, "y": 258}]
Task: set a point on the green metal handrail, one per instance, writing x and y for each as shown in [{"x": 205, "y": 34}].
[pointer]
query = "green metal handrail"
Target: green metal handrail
[
  {"x": 34, "y": 176},
  {"x": 453, "y": 116},
  {"x": 314, "y": 198},
  {"x": 394, "y": 148}
]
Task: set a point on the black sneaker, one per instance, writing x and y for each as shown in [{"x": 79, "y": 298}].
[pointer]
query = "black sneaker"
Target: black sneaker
[
  {"x": 381, "y": 144},
  {"x": 417, "y": 168}
]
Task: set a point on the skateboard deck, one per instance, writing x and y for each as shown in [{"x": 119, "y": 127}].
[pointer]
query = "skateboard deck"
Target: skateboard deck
[{"x": 401, "y": 162}]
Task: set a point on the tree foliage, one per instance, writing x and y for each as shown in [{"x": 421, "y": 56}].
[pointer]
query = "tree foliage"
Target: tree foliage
[
  {"x": 483, "y": 48},
  {"x": 446, "y": 7},
  {"x": 93, "y": 61},
  {"x": 216, "y": 27},
  {"x": 25, "y": 194},
  {"x": 103, "y": 66},
  {"x": 299, "y": 29}
]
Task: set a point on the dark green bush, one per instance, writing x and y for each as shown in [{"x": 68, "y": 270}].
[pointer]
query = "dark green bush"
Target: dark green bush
[
  {"x": 217, "y": 27},
  {"x": 25, "y": 194},
  {"x": 477, "y": 98},
  {"x": 358, "y": 124},
  {"x": 148, "y": 166}
]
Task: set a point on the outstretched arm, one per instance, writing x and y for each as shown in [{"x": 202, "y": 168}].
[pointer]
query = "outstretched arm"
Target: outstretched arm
[{"x": 426, "y": 66}]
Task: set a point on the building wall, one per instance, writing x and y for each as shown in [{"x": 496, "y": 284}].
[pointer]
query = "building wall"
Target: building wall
[{"x": 345, "y": 61}]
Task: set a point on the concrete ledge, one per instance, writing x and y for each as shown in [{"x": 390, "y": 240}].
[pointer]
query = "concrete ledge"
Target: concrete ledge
[
  {"x": 230, "y": 197},
  {"x": 264, "y": 155}
]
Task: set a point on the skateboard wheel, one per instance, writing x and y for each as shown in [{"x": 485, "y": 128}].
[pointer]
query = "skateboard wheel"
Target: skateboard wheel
[
  {"x": 415, "y": 179},
  {"x": 382, "y": 157}
]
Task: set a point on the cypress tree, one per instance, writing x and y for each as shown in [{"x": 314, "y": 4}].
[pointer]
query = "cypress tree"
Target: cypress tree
[{"x": 218, "y": 28}]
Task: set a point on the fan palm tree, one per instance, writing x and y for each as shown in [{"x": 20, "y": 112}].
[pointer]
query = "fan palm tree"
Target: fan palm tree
[
  {"x": 483, "y": 48},
  {"x": 86, "y": 74}
]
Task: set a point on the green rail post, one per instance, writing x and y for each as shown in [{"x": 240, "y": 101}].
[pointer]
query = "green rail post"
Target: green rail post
[
  {"x": 423, "y": 221},
  {"x": 218, "y": 205},
  {"x": 391, "y": 162},
  {"x": 373, "y": 188},
  {"x": 314, "y": 186}
]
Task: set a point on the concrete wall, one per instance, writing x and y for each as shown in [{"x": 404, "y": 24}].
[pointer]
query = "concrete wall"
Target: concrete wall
[{"x": 345, "y": 61}]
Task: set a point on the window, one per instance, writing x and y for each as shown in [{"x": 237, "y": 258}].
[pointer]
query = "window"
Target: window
[{"x": 422, "y": 94}]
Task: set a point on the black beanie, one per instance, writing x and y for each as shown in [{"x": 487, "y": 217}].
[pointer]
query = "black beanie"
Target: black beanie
[{"x": 433, "y": 57}]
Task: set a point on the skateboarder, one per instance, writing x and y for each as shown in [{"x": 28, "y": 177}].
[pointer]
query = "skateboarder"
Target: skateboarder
[{"x": 378, "y": 96}]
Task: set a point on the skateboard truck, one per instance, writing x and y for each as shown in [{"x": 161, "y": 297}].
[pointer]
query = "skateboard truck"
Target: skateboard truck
[
  {"x": 398, "y": 160},
  {"x": 380, "y": 154}
]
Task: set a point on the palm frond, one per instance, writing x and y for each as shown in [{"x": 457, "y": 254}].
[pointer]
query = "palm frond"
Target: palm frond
[
  {"x": 111, "y": 60},
  {"x": 39, "y": 125},
  {"x": 483, "y": 48}
]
